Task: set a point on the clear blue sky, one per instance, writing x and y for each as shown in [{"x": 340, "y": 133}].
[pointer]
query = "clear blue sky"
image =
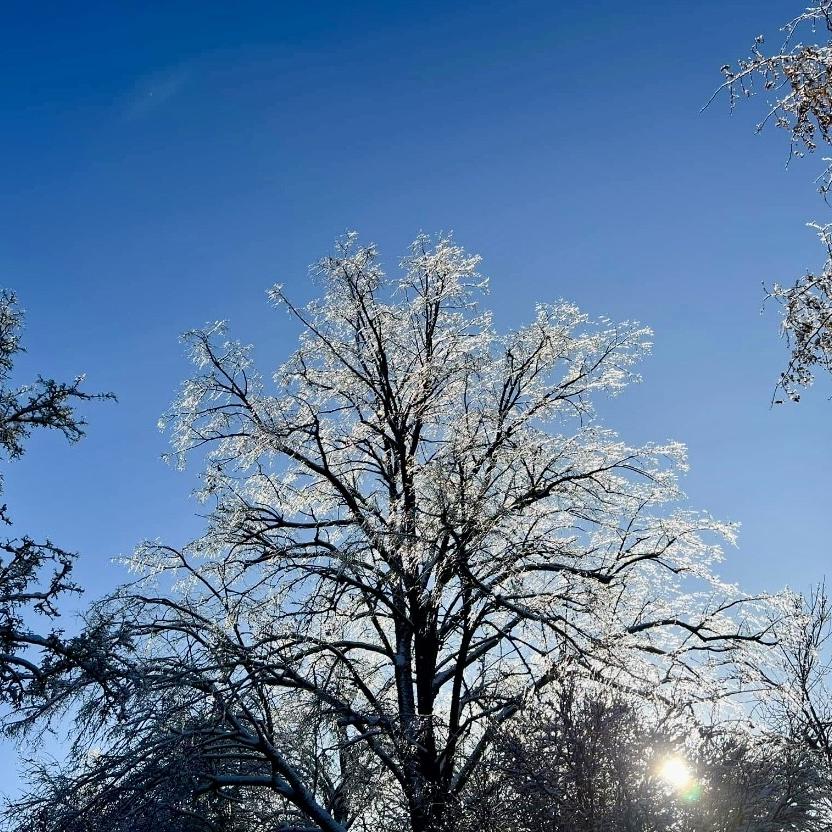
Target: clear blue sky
[{"x": 165, "y": 163}]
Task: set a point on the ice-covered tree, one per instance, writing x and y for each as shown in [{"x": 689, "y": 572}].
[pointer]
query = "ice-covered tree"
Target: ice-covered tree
[{"x": 416, "y": 524}]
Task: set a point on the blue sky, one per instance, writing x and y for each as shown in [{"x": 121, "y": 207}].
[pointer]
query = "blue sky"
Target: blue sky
[{"x": 165, "y": 163}]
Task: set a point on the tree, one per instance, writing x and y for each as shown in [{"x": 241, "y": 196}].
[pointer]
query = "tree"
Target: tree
[
  {"x": 590, "y": 759},
  {"x": 798, "y": 77},
  {"x": 409, "y": 540},
  {"x": 33, "y": 574},
  {"x": 799, "y": 684}
]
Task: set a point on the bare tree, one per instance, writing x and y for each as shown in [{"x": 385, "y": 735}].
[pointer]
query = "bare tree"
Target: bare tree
[
  {"x": 409, "y": 539},
  {"x": 799, "y": 684},
  {"x": 33, "y": 574}
]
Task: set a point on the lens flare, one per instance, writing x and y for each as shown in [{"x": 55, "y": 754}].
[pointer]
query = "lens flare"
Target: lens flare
[{"x": 679, "y": 777}]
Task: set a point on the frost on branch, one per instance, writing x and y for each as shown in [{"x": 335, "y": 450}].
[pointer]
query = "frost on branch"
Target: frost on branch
[
  {"x": 807, "y": 322},
  {"x": 796, "y": 78}
]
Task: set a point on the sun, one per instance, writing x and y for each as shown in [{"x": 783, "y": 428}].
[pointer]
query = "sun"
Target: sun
[{"x": 676, "y": 773}]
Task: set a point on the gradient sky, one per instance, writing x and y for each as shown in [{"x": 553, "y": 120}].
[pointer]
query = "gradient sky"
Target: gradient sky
[{"x": 165, "y": 163}]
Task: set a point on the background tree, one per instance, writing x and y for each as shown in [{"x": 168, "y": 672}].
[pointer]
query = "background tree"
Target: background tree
[
  {"x": 33, "y": 574},
  {"x": 409, "y": 540},
  {"x": 591, "y": 760},
  {"x": 799, "y": 684},
  {"x": 797, "y": 78}
]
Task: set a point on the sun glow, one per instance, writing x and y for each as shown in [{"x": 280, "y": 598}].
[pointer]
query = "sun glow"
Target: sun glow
[{"x": 676, "y": 773}]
